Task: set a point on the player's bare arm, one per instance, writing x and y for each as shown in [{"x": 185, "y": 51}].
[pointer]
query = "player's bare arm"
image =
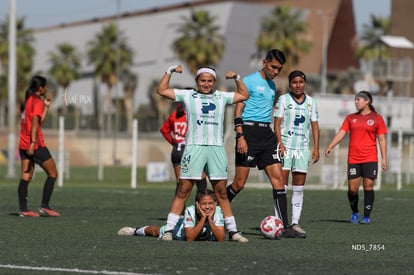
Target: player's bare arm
[
  {"x": 163, "y": 88},
  {"x": 241, "y": 91},
  {"x": 315, "y": 136},
  {"x": 336, "y": 139}
]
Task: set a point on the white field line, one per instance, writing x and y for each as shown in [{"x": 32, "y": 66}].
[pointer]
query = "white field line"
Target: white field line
[{"x": 71, "y": 270}]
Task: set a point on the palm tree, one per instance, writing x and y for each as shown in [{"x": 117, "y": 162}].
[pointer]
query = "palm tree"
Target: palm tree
[
  {"x": 24, "y": 52},
  {"x": 370, "y": 40},
  {"x": 199, "y": 43},
  {"x": 284, "y": 30},
  {"x": 65, "y": 64},
  {"x": 130, "y": 81},
  {"x": 110, "y": 53},
  {"x": 372, "y": 52}
]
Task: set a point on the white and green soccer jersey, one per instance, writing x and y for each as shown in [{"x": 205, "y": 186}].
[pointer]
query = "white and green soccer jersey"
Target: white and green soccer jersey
[
  {"x": 205, "y": 115},
  {"x": 296, "y": 120}
]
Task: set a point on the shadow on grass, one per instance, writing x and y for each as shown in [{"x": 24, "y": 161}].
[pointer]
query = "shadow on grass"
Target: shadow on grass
[{"x": 332, "y": 220}]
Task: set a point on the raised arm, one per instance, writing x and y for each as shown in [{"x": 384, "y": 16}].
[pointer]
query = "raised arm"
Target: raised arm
[
  {"x": 47, "y": 101},
  {"x": 242, "y": 93},
  {"x": 163, "y": 88}
]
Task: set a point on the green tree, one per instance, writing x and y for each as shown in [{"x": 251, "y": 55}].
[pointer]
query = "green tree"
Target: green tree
[
  {"x": 110, "y": 53},
  {"x": 24, "y": 53},
  {"x": 284, "y": 29},
  {"x": 65, "y": 64},
  {"x": 130, "y": 81},
  {"x": 371, "y": 46},
  {"x": 200, "y": 43},
  {"x": 64, "y": 68}
]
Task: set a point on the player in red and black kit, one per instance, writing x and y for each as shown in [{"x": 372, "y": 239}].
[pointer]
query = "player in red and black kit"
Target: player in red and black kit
[
  {"x": 364, "y": 127},
  {"x": 32, "y": 147},
  {"x": 174, "y": 130}
]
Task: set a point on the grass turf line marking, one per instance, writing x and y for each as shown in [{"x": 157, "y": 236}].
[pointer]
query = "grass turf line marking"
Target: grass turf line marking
[{"x": 73, "y": 270}]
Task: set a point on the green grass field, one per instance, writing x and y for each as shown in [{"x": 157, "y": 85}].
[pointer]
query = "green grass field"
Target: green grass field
[{"x": 84, "y": 239}]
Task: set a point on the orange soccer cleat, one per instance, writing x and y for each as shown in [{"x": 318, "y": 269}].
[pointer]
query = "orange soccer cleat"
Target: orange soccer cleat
[
  {"x": 48, "y": 212},
  {"x": 28, "y": 213}
]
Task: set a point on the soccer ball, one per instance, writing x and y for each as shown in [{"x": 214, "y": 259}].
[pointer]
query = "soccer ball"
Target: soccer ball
[{"x": 271, "y": 227}]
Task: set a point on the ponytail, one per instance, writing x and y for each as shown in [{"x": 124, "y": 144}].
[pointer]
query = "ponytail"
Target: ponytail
[
  {"x": 36, "y": 82},
  {"x": 367, "y": 95}
]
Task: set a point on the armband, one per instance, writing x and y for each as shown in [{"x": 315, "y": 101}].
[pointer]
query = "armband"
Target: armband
[
  {"x": 238, "y": 121},
  {"x": 239, "y": 135}
]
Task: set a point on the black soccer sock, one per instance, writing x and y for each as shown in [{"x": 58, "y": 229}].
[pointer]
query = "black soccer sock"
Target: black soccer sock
[
  {"x": 368, "y": 202},
  {"x": 22, "y": 194},
  {"x": 201, "y": 184},
  {"x": 231, "y": 193},
  {"x": 47, "y": 191},
  {"x": 353, "y": 201},
  {"x": 281, "y": 206}
]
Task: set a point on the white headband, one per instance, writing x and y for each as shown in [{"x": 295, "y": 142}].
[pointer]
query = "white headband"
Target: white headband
[{"x": 206, "y": 70}]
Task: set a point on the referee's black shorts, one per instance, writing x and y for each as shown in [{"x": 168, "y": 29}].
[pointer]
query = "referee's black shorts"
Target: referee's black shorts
[
  {"x": 262, "y": 148},
  {"x": 177, "y": 153}
]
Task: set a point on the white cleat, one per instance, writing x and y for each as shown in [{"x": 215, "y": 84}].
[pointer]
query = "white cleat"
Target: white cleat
[
  {"x": 167, "y": 236},
  {"x": 238, "y": 237},
  {"x": 297, "y": 228},
  {"x": 126, "y": 231}
]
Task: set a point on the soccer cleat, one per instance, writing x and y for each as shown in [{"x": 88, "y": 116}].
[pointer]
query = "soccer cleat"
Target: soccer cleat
[
  {"x": 28, "y": 213},
  {"x": 237, "y": 237},
  {"x": 355, "y": 217},
  {"x": 48, "y": 212},
  {"x": 365, "y": 220},
  {"x": 297, "y": 228},
  {"x": 291, "y": 233},
  {"x": 126, "y": 231},
  {"x": 167, "y": 236}
]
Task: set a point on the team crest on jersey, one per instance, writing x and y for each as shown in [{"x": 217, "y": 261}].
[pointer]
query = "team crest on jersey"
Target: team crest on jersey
[
  {"x": 299, "y": 119},
  {"x": 260, "y": 88},
  {"x": 207, "y": 107},
  {"x": 217, "y": 95},
  {"x": 370, "y": 122}
]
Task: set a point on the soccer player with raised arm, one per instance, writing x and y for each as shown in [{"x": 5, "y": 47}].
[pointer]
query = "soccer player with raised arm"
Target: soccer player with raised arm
[{"x": 204, "y": 150}]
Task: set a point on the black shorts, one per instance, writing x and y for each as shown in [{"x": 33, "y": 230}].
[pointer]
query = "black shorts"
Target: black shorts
[
  {"x": 366, "y": 170},
  {"x": 177, "y": 153},
  {"x": 39, "y": 156},
  {"x": 261, "y": 148}
]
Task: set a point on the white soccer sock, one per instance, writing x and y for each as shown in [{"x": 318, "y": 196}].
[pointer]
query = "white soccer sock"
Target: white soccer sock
[
  {"x": 140, "y": 231},
  {"x": 172, "y": 220},
  {"x": 297, "y": 203},
  {"x": 230, "y": 224}
]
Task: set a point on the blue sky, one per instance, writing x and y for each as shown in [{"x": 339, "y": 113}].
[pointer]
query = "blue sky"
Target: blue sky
[{"x": 43, "y": 13}]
